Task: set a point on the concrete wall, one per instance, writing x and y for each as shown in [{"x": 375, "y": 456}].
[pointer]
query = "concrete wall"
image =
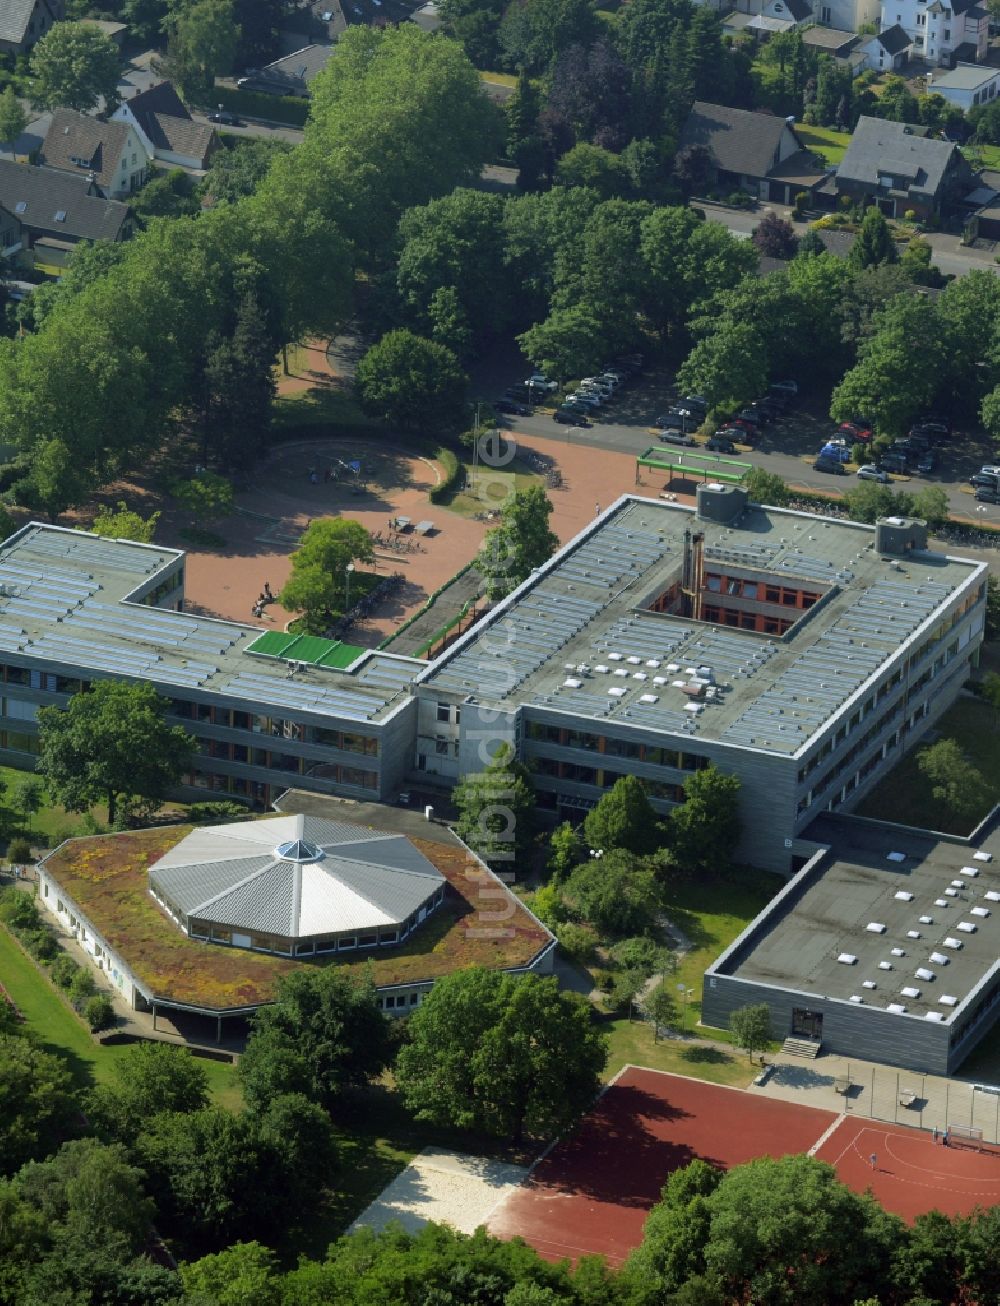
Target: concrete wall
[{"x": 101, "y": 956}]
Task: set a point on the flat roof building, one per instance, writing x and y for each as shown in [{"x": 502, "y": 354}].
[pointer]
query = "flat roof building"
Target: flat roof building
[
  {"x": 885, "y": 948},
  {"x": 795, "y": 651}
]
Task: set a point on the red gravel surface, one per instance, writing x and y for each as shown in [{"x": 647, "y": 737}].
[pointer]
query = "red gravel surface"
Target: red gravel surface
[{"x": 592, "y": 1192}]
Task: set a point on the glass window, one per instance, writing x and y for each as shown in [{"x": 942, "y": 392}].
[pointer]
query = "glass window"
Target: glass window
[{"x": 443, "y": 712}]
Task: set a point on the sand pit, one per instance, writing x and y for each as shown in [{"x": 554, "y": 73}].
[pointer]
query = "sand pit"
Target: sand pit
[{"x": 444, "y": 1186}]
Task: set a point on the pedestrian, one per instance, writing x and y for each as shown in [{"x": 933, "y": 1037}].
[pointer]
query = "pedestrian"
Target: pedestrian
[
  {"x": 944, "y": 1139},
  {"x": 934, "y": 1134},
  {"x": 874, "y": 1160},
  {"x": 597, "y": 510},
  {"x": 267, "y": 592}
]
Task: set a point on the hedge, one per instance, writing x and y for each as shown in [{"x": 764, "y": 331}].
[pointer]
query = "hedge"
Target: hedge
[
  {"x": 452, "y": 472},
  {"x": 256, "y": 104}
]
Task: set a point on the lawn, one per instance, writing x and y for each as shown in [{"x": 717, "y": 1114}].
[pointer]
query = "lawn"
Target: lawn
[
  {"x": 989, "y": 154},
  {"x": 711, "y": 913},
  {"x": 62, "y": 1032},
  {"x": 905, "y": 793},
  {"x": 630, "y": 1042},
  {"x": 831, "y": 144},
  {"x": 52, "y": 821},
  {"x": 494, "y": 490}
]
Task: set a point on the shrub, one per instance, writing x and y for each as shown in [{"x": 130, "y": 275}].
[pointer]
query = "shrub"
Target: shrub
[
  {"x": 19, "y": 911},
  {"x": 220, "y": 811},
  {"x": 739, "y": 199},
  {"x": 64, "y": 970},
  {"x": 859, "y": 453},
  {"x": 82, "y": 988},
  {"x": 19, "y": 850},
  {"x": 452, "y": 471},
  {"x": 99, "y": 1012},
  {"x": 641, "y": 954},
  {"x": 258, "y": 104},
  {"x": 41, "y": 944},
  {"x": 910, "y": 215},
  {"x": 576, "y": 941}
]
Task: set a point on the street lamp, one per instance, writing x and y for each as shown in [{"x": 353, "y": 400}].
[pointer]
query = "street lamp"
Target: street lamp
[
  {"x": 685, "y": 995},
  {"x": 347, "y": 596}
]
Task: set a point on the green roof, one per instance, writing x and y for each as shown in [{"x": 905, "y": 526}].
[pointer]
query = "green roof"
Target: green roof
[{"x": 305, "y": 648}]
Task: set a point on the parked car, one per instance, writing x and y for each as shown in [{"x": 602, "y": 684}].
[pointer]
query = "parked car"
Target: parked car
[
  {"x": 583, "y": 397},
  {"x": 927, "y": 462},
  {"x": 511, "y": 406},
  {"x": 869, "y": 472},
  {"x": 678, "y": 417},
  {"x": 569, "y": 417},
  {"x": 538, "y": 381},
  {"x": 855, "y": 432},
  {"x": 750, "y": 415},
  {"x": 674, "y": 436},
  {"x": 829, "y": 465},
  {"x": 919, "y": 440},
  {"x": 893, "y": 462},
  {"x": 720, "y": 444},
  {"x": 785, "y": 387},
  {"x": 698, "y": 403},
  {"x": 582, "y": 410},
  {"x": 990, "y": 469},
  {"x": 225, "y": 118},
  {"x": 985, "y": 495},
  {"x": 600, "y": 383},
  {"x": 837, "y": 452},
  {"x": 984, "y": 481},
  {"x": 933, "y": 424},
  {"x": 767, "y": 408},
  {"x": 730, "y": 432}
]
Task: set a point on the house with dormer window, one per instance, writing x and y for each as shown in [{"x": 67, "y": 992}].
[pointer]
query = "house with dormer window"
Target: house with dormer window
[
  {"x": 943, "y": 32},
  {"x": 888, "y": 164},
  {"x": 112, "y": 154}
]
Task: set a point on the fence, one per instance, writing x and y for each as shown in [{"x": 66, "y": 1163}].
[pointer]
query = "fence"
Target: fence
[{"x": 927, "y": 1101}]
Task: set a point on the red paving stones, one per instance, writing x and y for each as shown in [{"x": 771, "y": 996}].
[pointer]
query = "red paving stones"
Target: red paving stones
[
  {"x": 593, "y": 1191},
  {"x": 912, "y": 1173}
]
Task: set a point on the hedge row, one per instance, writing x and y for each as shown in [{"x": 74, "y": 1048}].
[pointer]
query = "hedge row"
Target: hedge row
[
  {"x": 256, "y": 104},
  {"x": 452, "y": 472}
]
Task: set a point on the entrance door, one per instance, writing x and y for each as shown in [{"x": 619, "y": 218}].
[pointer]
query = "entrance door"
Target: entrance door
[{"x": 807, "y": 1024}]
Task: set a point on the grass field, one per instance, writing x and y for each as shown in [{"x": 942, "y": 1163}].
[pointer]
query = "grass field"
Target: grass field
[
  {"x": 831, "y": 144},
  {"x": 51, "y": 820},
  {"x": 494, "y": 491},
  {"x": 631, "y": 1043},
  {"x": 905, "y": 793},
  {"x": 989, "y": 154},
  {"x": 62, "y": 1033}
]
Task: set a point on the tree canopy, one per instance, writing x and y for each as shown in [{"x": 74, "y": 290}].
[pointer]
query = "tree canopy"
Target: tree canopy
[
  {"x": 411, "y": 382},
  {"x": 507, "y": 1055},
  {"x": 75, "y": 66},
  {"x": 317, "y": 586},
  {"x": 496, "y": 809},
  {"x": 522, "y": 542},
  {"x": 623, "y": 818},
  {"x": 111, "y": 744}
]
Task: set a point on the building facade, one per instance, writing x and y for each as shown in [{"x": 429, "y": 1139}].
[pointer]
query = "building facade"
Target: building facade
[{"x": 942, "y": 33}]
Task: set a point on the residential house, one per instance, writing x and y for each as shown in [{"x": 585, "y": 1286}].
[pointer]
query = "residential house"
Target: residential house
[
  {"x": 831, "y": 41},
  {"x": 966, "y": 85},
  {"x": 23, "y": 22},
  {"x": 44, "y": 214},
  {"x": 167, "y": 131},
  {"x": 755, "y": 152},
  {"x": 291, "y": 74},
  {"x": 843, "y": 15},
  {"x": 889, "y": 164},
  {"x": 942, "y": 33},
  {"x": 109, "y": 152},
  {"x": 889, "y": 51}
]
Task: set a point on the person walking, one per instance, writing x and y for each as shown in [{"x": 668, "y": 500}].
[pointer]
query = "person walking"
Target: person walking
[{"x": 874, "y": 1160}]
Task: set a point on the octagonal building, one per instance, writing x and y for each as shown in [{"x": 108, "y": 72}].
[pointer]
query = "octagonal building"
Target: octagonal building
[{"x": 296, "y": 886}]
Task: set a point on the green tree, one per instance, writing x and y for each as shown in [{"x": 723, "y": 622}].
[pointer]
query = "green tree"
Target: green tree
[
  {"x": 617, "y": 893},
  {"x": 930, "y": 503},
  {"x": 412, "y": 383},
  {"x": 625, "y": 985},
  {"x": 705, "y": 829},
  {"x": 507, "y": 1055},
  {"x": 675, "y": 1235},
  {"x": 149, "y": 1078},
  {"x": 520, "y": 544},
  {"x": 566, "y": 848},
  {"x": 624, "y": 818},
  {"x": 168, "y": 195},
  {"x": 245, "y": 1272},
  {"x": 318, "y": 583},
  {"x": 496, "y": 809},
  {"x": 599, "y": 169},
  {"x": 122, "y": 523},
  {"x": 874, "y": 243},
  {"x": 202, "y": 41},
  {"x": 92, "y": 1189},
  {"x": 36, "y": 1102},
  {"x": 751, "y": 1027},
  {"x": 99, "y": 1012},
  {"x": 867, "y": 501},
  {"x": 327, "y": 1032},
  {"x": 766, "y": 487},
  {"x": 992, "y": 625},
  {"x": 569, "y": 342},
  {"x": 955, "y": 782},
  {"x": 660, "y": 1005},
  {"x": 111, "y": 744},
  {"x": 206, "y": 496},
  {"x": 28, "y": 796},
  {"x": 238, "y": 170},
  {"x": 240, "y": 389},
  {"x": 13, "y": 119},
  {"x": 75, "y": 66},
  {"x": 729, "y": 366}
]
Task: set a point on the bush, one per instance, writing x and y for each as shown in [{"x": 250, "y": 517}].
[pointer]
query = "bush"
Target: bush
[
  {"x": 19, "y": 911},
  {"x": 576, "y": 941},
  {"x": 641, "y": 954},
  {"x": 452, "y": 472},
  {"x": 220, "y": 811},
  {"x": 64, "y": 970},
  {"x": 99, "y": 1012},
  {"x": 82, "y": 988},
  {"x": 739, "y": 199},
  {"x": 257, "y": 104},
  {"x": 19, "y": 851},
  {"x": 41, "y": 944},
  {"x": 910, "y": 215}
]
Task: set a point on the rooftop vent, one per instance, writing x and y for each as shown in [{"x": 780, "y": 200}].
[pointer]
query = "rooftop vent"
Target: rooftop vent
[
  {"x": 979, "y": 911},
  {"x": 910, "y": 992},
  {"x": 875, "y": 927},
  {"x": 896, "y": 1008},
  {"x": 903, "y": 896},
  {"x": 954, "y": 944},
  {"x": 967, "y": 927},
  {"x": 885, "y": 965},
  {"x": 939, "y": 959},
  {"x": 946, "y": 1000},
  {"x": 868, "y": 984},
  {"x": 922, "y": 973},
  {"x": 847, "y": 959},
  {"x": 298, "y": 850}
]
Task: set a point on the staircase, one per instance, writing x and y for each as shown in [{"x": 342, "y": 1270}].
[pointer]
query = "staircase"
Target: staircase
[{"x": 802, "y": 1047}]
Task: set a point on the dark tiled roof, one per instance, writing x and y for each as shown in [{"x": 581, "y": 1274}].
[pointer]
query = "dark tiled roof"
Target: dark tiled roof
[
  {"x": 15, "y": 15},
  {"x": 830, "y": 39},
  {"x": 799, "y": 9},
  {"x": 292, "y": 74},
  {"x": 72, "y": 136},
  {"x": 45, "y": 193},
  {"x": 894, "y": 40},
  {"x": 737, "y": 139},
  {"x": 879, "y": 147},
  {"x": 195, "y": 140},
  {"x": 161, "y": 98}
]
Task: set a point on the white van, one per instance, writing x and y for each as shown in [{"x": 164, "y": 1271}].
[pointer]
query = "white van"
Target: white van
[{"x": 990, "y": 470}]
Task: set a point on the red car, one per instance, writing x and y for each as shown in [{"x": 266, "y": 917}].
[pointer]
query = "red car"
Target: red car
[{"x": 854, "y": 432}]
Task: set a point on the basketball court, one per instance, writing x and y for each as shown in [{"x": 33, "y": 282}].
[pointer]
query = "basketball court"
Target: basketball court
[{"x": 592, "y": 1191}]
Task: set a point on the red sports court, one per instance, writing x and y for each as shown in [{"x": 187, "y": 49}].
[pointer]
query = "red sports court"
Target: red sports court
[{"x": 592, "y": 1192}]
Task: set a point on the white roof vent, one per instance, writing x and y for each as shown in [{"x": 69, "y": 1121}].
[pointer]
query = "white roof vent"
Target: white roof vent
[
  {"x": 967, "y": 927},
  {"x": 903, "y": 895},
  {"x": 991, "y": 895},
  {"x": 895, "y": 857},
  {"x": 979, "y": 911},
  {"x": 922, "y": 973},
  {"x": 982, "y": 857},
  {"x": 939, "y": 959},
  {"x": 897, "y": 952},
  {"x": 856, "y": 999},
  {"x": 913, "y": 934},
  {"x": 875, "y": 927},
  {"x": 934, "y": 1015},
  {"x": 971, "y": 871},
  {"x": 910, "y": 992},
  {"x": 946, "y": 1000},
  {"x": 940, "y": 902},
  {"x": 896, "y": 1008},
  {"x": 885, "y": 965},
  {"x": 954, "y": 944},
  {"x": 868, "y": 984},
  {"x": 847, "y": 959},
  {"x": 926, "y": 920}
]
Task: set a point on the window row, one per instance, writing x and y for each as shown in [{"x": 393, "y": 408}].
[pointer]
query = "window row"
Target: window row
[
  {"x": 568, "y": 737},
  {"x": 346, "y": 741}
]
